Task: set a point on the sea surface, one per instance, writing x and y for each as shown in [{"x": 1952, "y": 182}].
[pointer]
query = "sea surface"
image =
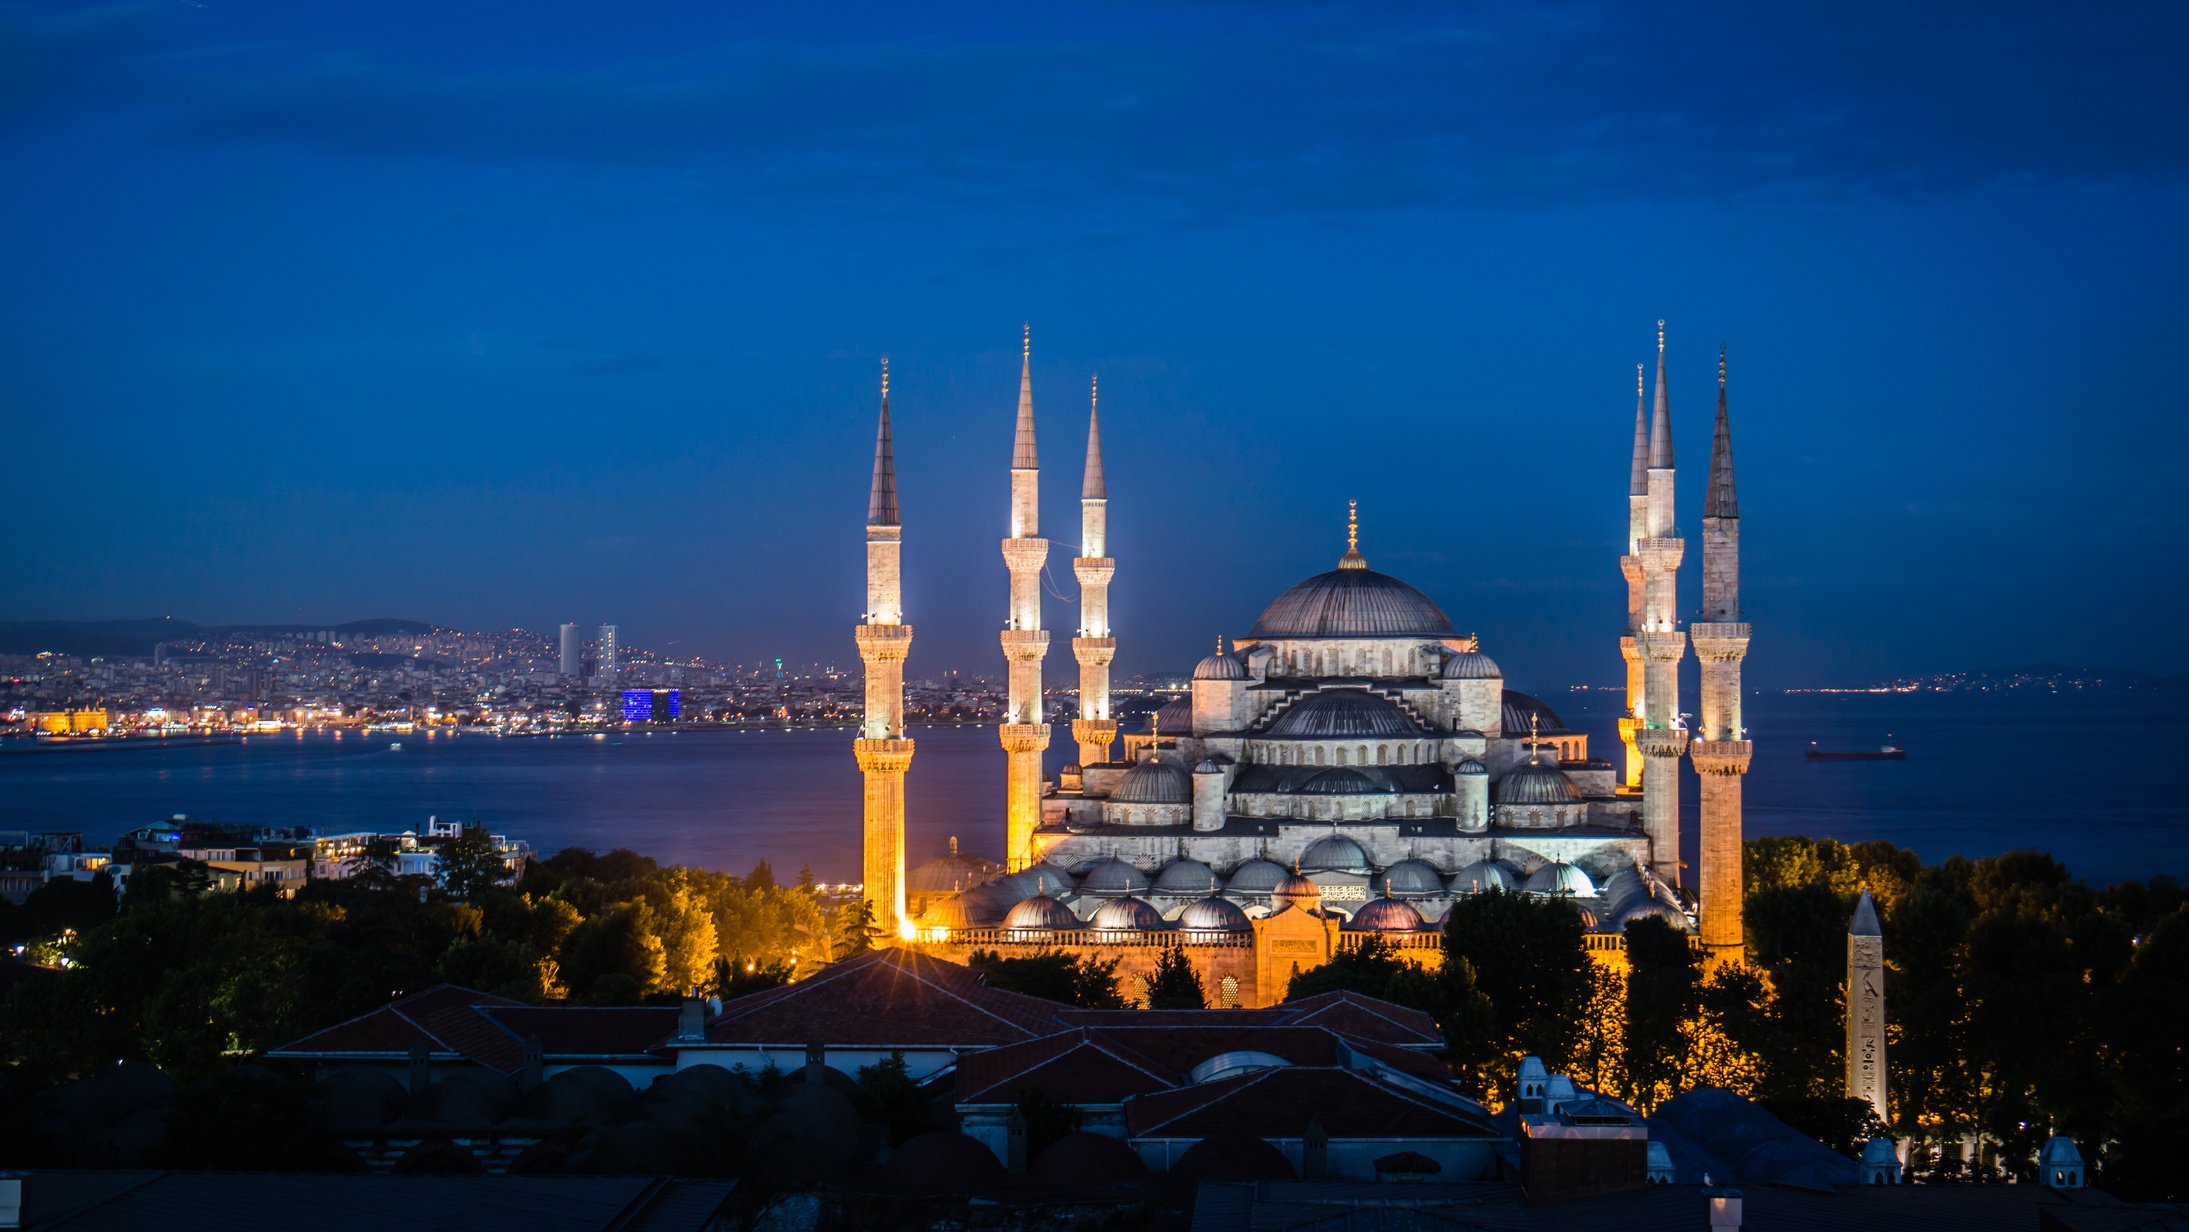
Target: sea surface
[{"x": 2091, "y": 778}]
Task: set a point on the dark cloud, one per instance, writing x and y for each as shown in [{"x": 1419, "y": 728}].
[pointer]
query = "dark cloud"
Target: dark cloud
[{"x": 1262, "y": 111}]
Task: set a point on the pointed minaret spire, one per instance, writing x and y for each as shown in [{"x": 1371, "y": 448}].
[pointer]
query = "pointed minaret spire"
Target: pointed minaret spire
[
  {"x": 1718, "y": 498},
  {"x": 1660, "y": 424},
  {"x": 1638, "y": 478},
  {"x": 881, "y": 503},
  {"x": 1092, "y": 487},
  {"x": 1022, "y": 447}
]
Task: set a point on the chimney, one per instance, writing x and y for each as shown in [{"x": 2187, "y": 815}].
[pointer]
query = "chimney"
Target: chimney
[
  {"x": 691, "y": 1021},
  {"x": 816, "y": 1062},
  {"x": 535, "y": 1065},
  {"x": 1015, "y": 1141},
  {"x": 11, "y": 1198},
  {"x": 1315, "y": 1150},
  {"x": 1724, "y": 1206}
]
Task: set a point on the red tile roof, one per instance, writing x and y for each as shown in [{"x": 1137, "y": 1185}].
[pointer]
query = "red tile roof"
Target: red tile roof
[
  {"x": 490, "y": 1030},
  {"x": 1278, "y": 1103},
  {"x": 1365, "y": 1018},
  {"x": 887, "y": 999},
  {"x": 1107, "y": 1065}
]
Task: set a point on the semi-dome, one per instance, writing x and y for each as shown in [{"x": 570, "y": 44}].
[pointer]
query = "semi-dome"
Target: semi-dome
[
  {"x": 1186, "y": 877},
  {"x": 1339, "y": 783},
  {"x": 1562, "y": 879},
  {"x": 1127, "y": 914},
  {"x": 1384, "y": 915},
  {"x": 1536, "y": 782},
  {"x": 1471, "y": 665},
  {"x": 1353, "y": 603},
  {"x": 1043, "y": 913},
  {"x": 1175, "y": 717},
  {"x": 1153, "y": 781},
  {"x": 1407, "y": 878},
  {"x": 1470, "y": 766},
  {"x": 1343, "y": 712},
  {"x": 1335, "y": 853},
  {"x": 1519, "y": 708},
  {"x": 1113, "y": 876},
  {"x": 1043, "y": 878},
  {"x": 1484, "y": 875},
  {"x": 1654, "y": 909},
  {"x": 1213, "y": 915},
  {"x": 1256, "y": 877},
  {"x": 1220, "y": 666}
]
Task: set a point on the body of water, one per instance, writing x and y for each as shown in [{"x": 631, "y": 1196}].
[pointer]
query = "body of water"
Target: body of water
[{"x": 2084, "y": 777}]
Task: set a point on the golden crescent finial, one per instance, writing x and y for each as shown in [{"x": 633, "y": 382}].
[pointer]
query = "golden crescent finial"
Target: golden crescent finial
[
  {"x": 1637, "y": 380},
  {"x": 1352, "y": 525},
  {"x": 1721, "y": 363},
  {"x": 1660, "y": 334},
  {"x": 1094, "y": 390},
  {"x": 1026, "y": 342},
  {"x": 885, "y": 376}
]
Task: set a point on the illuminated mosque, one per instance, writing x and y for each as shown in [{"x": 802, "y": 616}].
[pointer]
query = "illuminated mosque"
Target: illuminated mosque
[{"x": 1352, "y": 766}]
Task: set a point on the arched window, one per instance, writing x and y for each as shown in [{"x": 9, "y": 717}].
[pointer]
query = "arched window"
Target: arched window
[
  {"x": 1227, "y": 997},
  {"x": 1383, "y": 754},
  {"x": 1341, "y": 755},
  {"x": 1364, "y": 754}
]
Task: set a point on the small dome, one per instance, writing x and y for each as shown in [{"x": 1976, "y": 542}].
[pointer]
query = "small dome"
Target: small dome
[
  {"x": 1297, "y": 891},
  {"x": 1561, "y": 879},
  {"x": 1471, "y": 665},
  {"x": 1127, "y": 915},
  {"x": 1213, "y": 915},
  {"x": 1153, "y": 782},
  {"x": 1654, "y": 909},
  {"x": 1175, "y": 718},
  {"x": 1041, "y": 913},
  {"x": 1344, "y": 712},
  {"x": 1339, "y": 783},
  {"x": 1256, "y": 877},
  {"x": 1335, "y": 853},
  {"x": 1208, "y": 766},
  {"x": 1484, "y": 875},
  {"x": 1113, "y": 877},
  {"x": 1186, "y": 877},
  {"x": 1470, "y": 766},
  {"x": 1385, "y": 915},
  {"x": 1089, "y": 1160},
  {"x": 986, "y": 904},
  {"x": 1536, "y": 782},
  {"x": 950, "y": 912},
  {"x": 1043, "y": 878},
  {"x": 1220, "y": 666},
  {"x": 1519, "y": 708},
  {"x": 1408, "y": 879}
]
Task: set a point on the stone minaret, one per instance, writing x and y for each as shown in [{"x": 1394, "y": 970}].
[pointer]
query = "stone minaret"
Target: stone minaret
[
  {"x": 1631, "y": 566},
  {"x": 1866, "y": 1008},
  {"x": 1721, "y": 756},
  {"x": 1661, "y": 738},
  {"x": 884, "y": 639},
  {"x": 1025, "y": 642},
  {"x": 1094, "y": 730}
]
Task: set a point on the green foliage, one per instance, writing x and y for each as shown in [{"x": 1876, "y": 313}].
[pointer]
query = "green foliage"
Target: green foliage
[
  {"x": 1523, "y": 956},
  {"x": 469, "y": 864},
  {"x": 889, "y": 1097},
  {"x": 1175, "y": 985},
  {"x": 66, "y": 905},
  {"x": 159, "y": 882},
  {"x": 1046, "y": 1120},
  {"x": 1663, "y": 994},
  {"x": 1053, "y": 976},
  {"x": 737, "y": 975}
]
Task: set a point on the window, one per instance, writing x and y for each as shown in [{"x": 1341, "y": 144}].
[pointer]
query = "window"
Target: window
[{"x": 1227, "y": 996}]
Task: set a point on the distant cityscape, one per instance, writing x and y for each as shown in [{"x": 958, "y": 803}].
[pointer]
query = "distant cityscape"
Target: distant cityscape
[{"x": 388, "y": 675}]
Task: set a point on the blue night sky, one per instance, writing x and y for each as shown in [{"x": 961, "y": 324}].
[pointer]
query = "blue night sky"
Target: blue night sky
[{"x": 495, "y": 314}]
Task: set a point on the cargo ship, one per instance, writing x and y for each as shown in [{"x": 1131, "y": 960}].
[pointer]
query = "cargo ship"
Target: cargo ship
[{"x": 1883, "y": 752}]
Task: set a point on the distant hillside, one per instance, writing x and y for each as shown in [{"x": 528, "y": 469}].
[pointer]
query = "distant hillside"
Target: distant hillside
[{"x": 136, "y": 638}]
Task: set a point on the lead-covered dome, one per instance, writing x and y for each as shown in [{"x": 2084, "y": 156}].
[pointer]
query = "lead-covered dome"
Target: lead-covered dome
[
  {"x": 1339, "y": 783},
  {"x": 1344, "y": 712},
  {"x": 1335, "y": 853},
  {"x": 1042, "y": 878},
  {"x": 1213, "y": 915},
  {"x": 1471, "y": 665},
  {"x": 1256, "y": 876},
  {"x": 1153, "y": 782},
  {"x": 1186, "y": 877},
  {"x": 1384, "y": 915},
  {"x": 1127, "y": 914},
  {"x": 1518, "y": 708},
  {"x": 1113, "y": 877},
  {"x": 1041, "y": 912},
  {"x": 1408, "y": 879},
  {"x": 1561, "y": 879},
  {"x": 1220, "y": 666},
  {"x": 1535, "y": 782},
  {"x": 1353, "y": 603},
  {"x": 1484, "y": 875}
]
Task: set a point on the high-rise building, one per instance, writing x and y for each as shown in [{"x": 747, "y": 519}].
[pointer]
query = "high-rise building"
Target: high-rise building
[
  {"x": 573, "y": 653},
  {"x": 604, "y": 662}
]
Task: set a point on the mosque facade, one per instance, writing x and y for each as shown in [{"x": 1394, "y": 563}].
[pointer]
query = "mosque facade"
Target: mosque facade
[{"x": 1352, "y": 765}]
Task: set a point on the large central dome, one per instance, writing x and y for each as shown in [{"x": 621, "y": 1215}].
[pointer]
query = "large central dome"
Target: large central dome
[{"x": 1353, "y": 602}]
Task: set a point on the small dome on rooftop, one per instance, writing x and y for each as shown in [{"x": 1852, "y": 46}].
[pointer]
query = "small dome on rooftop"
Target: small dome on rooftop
[
  {"x": 1406, "y": 879},
  {"x": 1212, "y": 915},
  {"x": 1560, "y": 879},
  {"x": 1111, "y": 877},
  {"x": 1220, "y": 666},
  {"x": 1127, "y": 915},
  {"x": 1536, "y": 782},
  {"x": 1041, "y": 913},
  {"x": 1335, "y": 853},
  {"x": 1153, "y": 781},
  {"x": 1256, "y": 876},
  {"x": 1470, "y": 665},
  {"x": 1339, "y": 782},
  {"x": 1187, "y": 877},
  {"x": 1384, "y": 915}
]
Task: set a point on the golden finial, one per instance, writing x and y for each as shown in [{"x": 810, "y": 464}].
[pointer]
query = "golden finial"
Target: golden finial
[
  {"x": 1660, "y": 334},
  {"x": 1219, "y": 643},
  {"x": 1352, "y": 525},
  {"x": 1721, "y": 364},
  {"x": 885, "y": 376},
  {"x": 1026, "y": 342},
  {"x": 1637, "y": 380},
  {"x": 1094, "y": 390}
]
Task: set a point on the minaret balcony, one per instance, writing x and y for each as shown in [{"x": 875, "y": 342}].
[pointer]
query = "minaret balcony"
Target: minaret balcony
[
  {"x": 1025, "y": 645},
  {"x": 1023, "y": 737},
  {"x": 883, "y": 756},
  {"x": 1025, "y": 555},
  {"x": 1661, "y": 646},
  {"x": 1720, "y": 641},
  {"x": 1094, "y": 570},
  {"x": 882, "y": 643},
  {"x": 1660, "y": 555},
  {"x": 1721, "y": 756},
  {"x": 1661, "y": 741},
  {"x": 1094, "y": 651}
]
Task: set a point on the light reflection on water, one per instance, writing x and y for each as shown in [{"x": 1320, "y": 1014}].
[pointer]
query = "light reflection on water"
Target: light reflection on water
[{"x": 2086, "y": 779}]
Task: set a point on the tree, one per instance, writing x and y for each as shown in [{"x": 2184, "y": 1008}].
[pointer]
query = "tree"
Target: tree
[
  {"x": 1526, "y": 960},
  {"x": 620, "y": 943},
  {"x": 1175, "y": 985},
  {"x": 859, "y": 932},
  {"x": 469, "y": 864},
  {"x": 154, "y": 883},
  {"x": 66, "y": 905},
  {"x": 1052, "y": 975},
  {"x": 1662, "y": 997},
  {"x": 888, "y": 1096}
]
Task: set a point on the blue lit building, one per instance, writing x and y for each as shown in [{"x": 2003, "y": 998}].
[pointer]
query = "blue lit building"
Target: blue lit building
[{"x": 652, "y": 705}]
